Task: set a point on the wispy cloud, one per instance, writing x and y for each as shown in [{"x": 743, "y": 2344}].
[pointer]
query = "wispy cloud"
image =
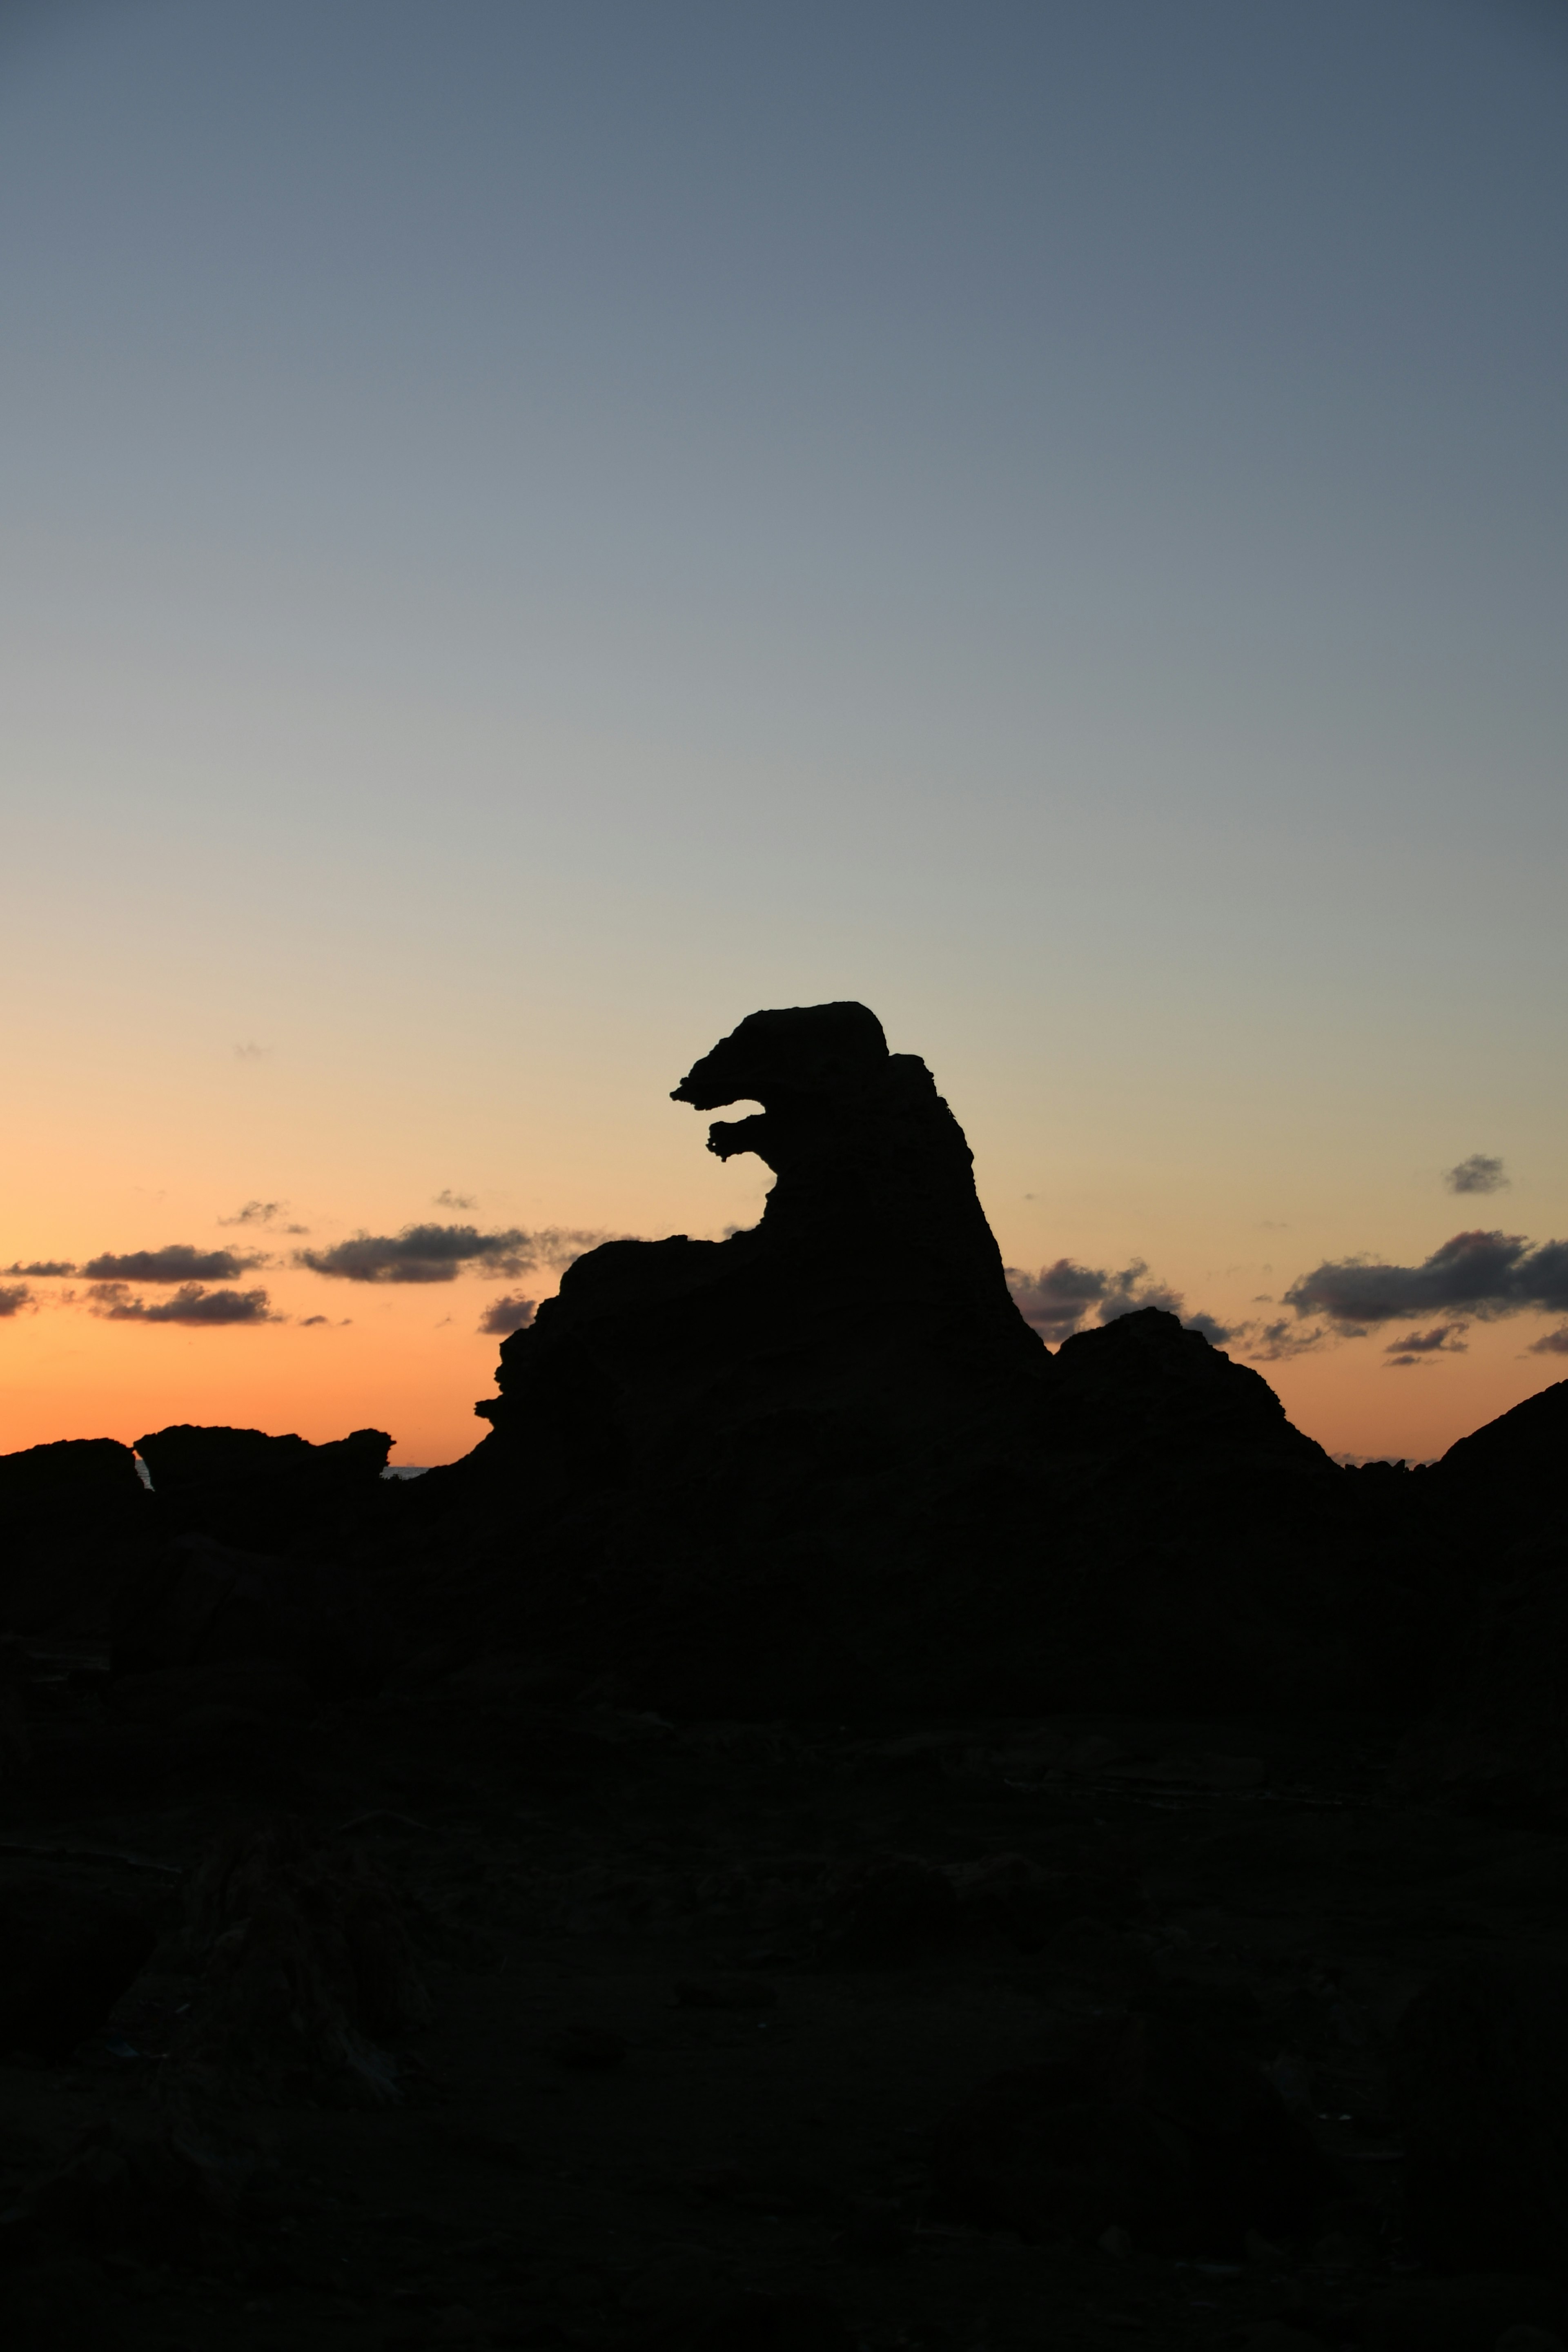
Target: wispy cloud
[
  {"x": 251, "y": 1052},
  {"x": 255, "y": 1213},
  {"x": 1420, "y": 1347},
  {"x": 42, "y": 1268},
  {"x": 1277, "y": 1342},
  {"x": 446, "y": 1200},
  {"x": 177, "y": 1262},
  {"x": 14, "y": 1298},
  {"x": 440, "y": 1253},
  {"x": 1477, "y": 1174},
  {"x": 190, "y": 1305},
  {"x": 1550, "y": 1343}
]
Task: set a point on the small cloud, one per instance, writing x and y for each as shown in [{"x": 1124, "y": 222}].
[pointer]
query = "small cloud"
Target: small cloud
[
  {"x": 1477, "y": 1174},
  {"x": 1218, "y": 1335},
  {"x": 1057, "y": 1299},
  {"x": 296, "y": 1229},
  {"x": 1442, "y": 1340},
  {"x": 251, "y": 1052},
  {"x": 307, "y": 1322},
  {"x": 14, "y": 1298},
  {"x": 1131, "y": 1290},
  {"x": 456, "y": 1200},
  {"x": 255, "y": 1213},
  {"x": 189, "y": 1305},
  {"x": 1271, "y": 1226},
  {"x": 507, "y": 1314},
  {"x": 1277, "y": 1343},
  {"x": 43, "y": 1268},
  {"x": 1550, "y": 1343},
  {"x": 178, "y": 1262}
]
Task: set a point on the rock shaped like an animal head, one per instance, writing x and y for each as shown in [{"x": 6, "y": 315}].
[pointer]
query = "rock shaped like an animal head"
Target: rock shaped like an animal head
[{"x": 801, "y": 1050}]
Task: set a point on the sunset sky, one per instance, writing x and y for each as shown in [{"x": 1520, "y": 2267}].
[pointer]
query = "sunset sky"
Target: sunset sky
[{"x": 533, "y": 528}]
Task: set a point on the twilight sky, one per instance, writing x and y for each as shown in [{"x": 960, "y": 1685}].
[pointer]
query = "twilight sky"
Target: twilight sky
[{"x": 531, "y": 530}]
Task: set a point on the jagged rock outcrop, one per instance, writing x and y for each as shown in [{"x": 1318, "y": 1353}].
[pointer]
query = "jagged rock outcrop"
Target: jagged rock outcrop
[
  {"x": 825, "y": 1464},
  {"x": 259, "y": 1492},
  {"x": 872, "y": 1290},
  {"x": 1497, "y": 1735},
  {"x": 68, "y": 1514}
]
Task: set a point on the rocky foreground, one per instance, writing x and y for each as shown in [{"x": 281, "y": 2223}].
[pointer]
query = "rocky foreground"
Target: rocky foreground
[{"x": 835, "y": 1827}]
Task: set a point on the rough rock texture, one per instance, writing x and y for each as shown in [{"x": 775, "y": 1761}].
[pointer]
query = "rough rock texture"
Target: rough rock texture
[
  {"x": 1479, "y": 2081},
  {"x": 1156, "y": 2120},
  {"x": 306, "y": 1971}
]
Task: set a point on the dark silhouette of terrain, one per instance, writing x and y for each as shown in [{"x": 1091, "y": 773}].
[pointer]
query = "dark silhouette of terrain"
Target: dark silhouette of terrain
[{"x": 833, "y": 1827}]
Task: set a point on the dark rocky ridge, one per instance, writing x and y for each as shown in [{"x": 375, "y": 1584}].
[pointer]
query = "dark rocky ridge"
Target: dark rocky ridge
[
  {"x": 1008, "y": 1931},
  {"x": 825, "y": 1464}
]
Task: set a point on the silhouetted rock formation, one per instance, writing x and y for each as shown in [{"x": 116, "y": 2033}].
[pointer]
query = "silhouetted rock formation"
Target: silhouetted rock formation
[
  {"x": 1498, "y": 1735},
  {"x": 1512, "y": 1473},
  {"x": 67, "y": 1513},
  {"x": 826, "y": 1463},
  {"x": 1150, "y": 1387},
  {"x": 259, "y": 1492},
  {"x": 872, "y": 1289},
  {"x": 78, "y": 1525}
]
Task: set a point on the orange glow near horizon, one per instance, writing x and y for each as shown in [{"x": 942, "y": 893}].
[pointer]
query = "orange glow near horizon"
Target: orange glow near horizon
[{"x": 410, "y": 1358}]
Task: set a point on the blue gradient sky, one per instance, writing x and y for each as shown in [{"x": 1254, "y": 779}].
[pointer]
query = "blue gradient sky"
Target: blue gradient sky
[{"x": 532, "y": 530}]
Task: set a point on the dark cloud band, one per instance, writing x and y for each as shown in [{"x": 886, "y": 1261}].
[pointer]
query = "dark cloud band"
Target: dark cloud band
[
  {"x": 1485, "y": 1275},
  {"x": 440, "y": 1253},
  {"x": 176, "y": 1262},
  {"x": 189, "y": 1305}
]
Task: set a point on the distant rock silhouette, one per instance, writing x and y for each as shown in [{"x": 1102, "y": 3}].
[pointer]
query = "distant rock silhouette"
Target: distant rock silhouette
[
  {"x": 78, "y": 1524},
  {"x": 258, "y": 1493},
  {"x": 1151, "y": 1385},
  {"x": 67, "y": 1511},
  {"x": 1497, "y": 1735},
  {"x": 825, "y": 1464}
]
